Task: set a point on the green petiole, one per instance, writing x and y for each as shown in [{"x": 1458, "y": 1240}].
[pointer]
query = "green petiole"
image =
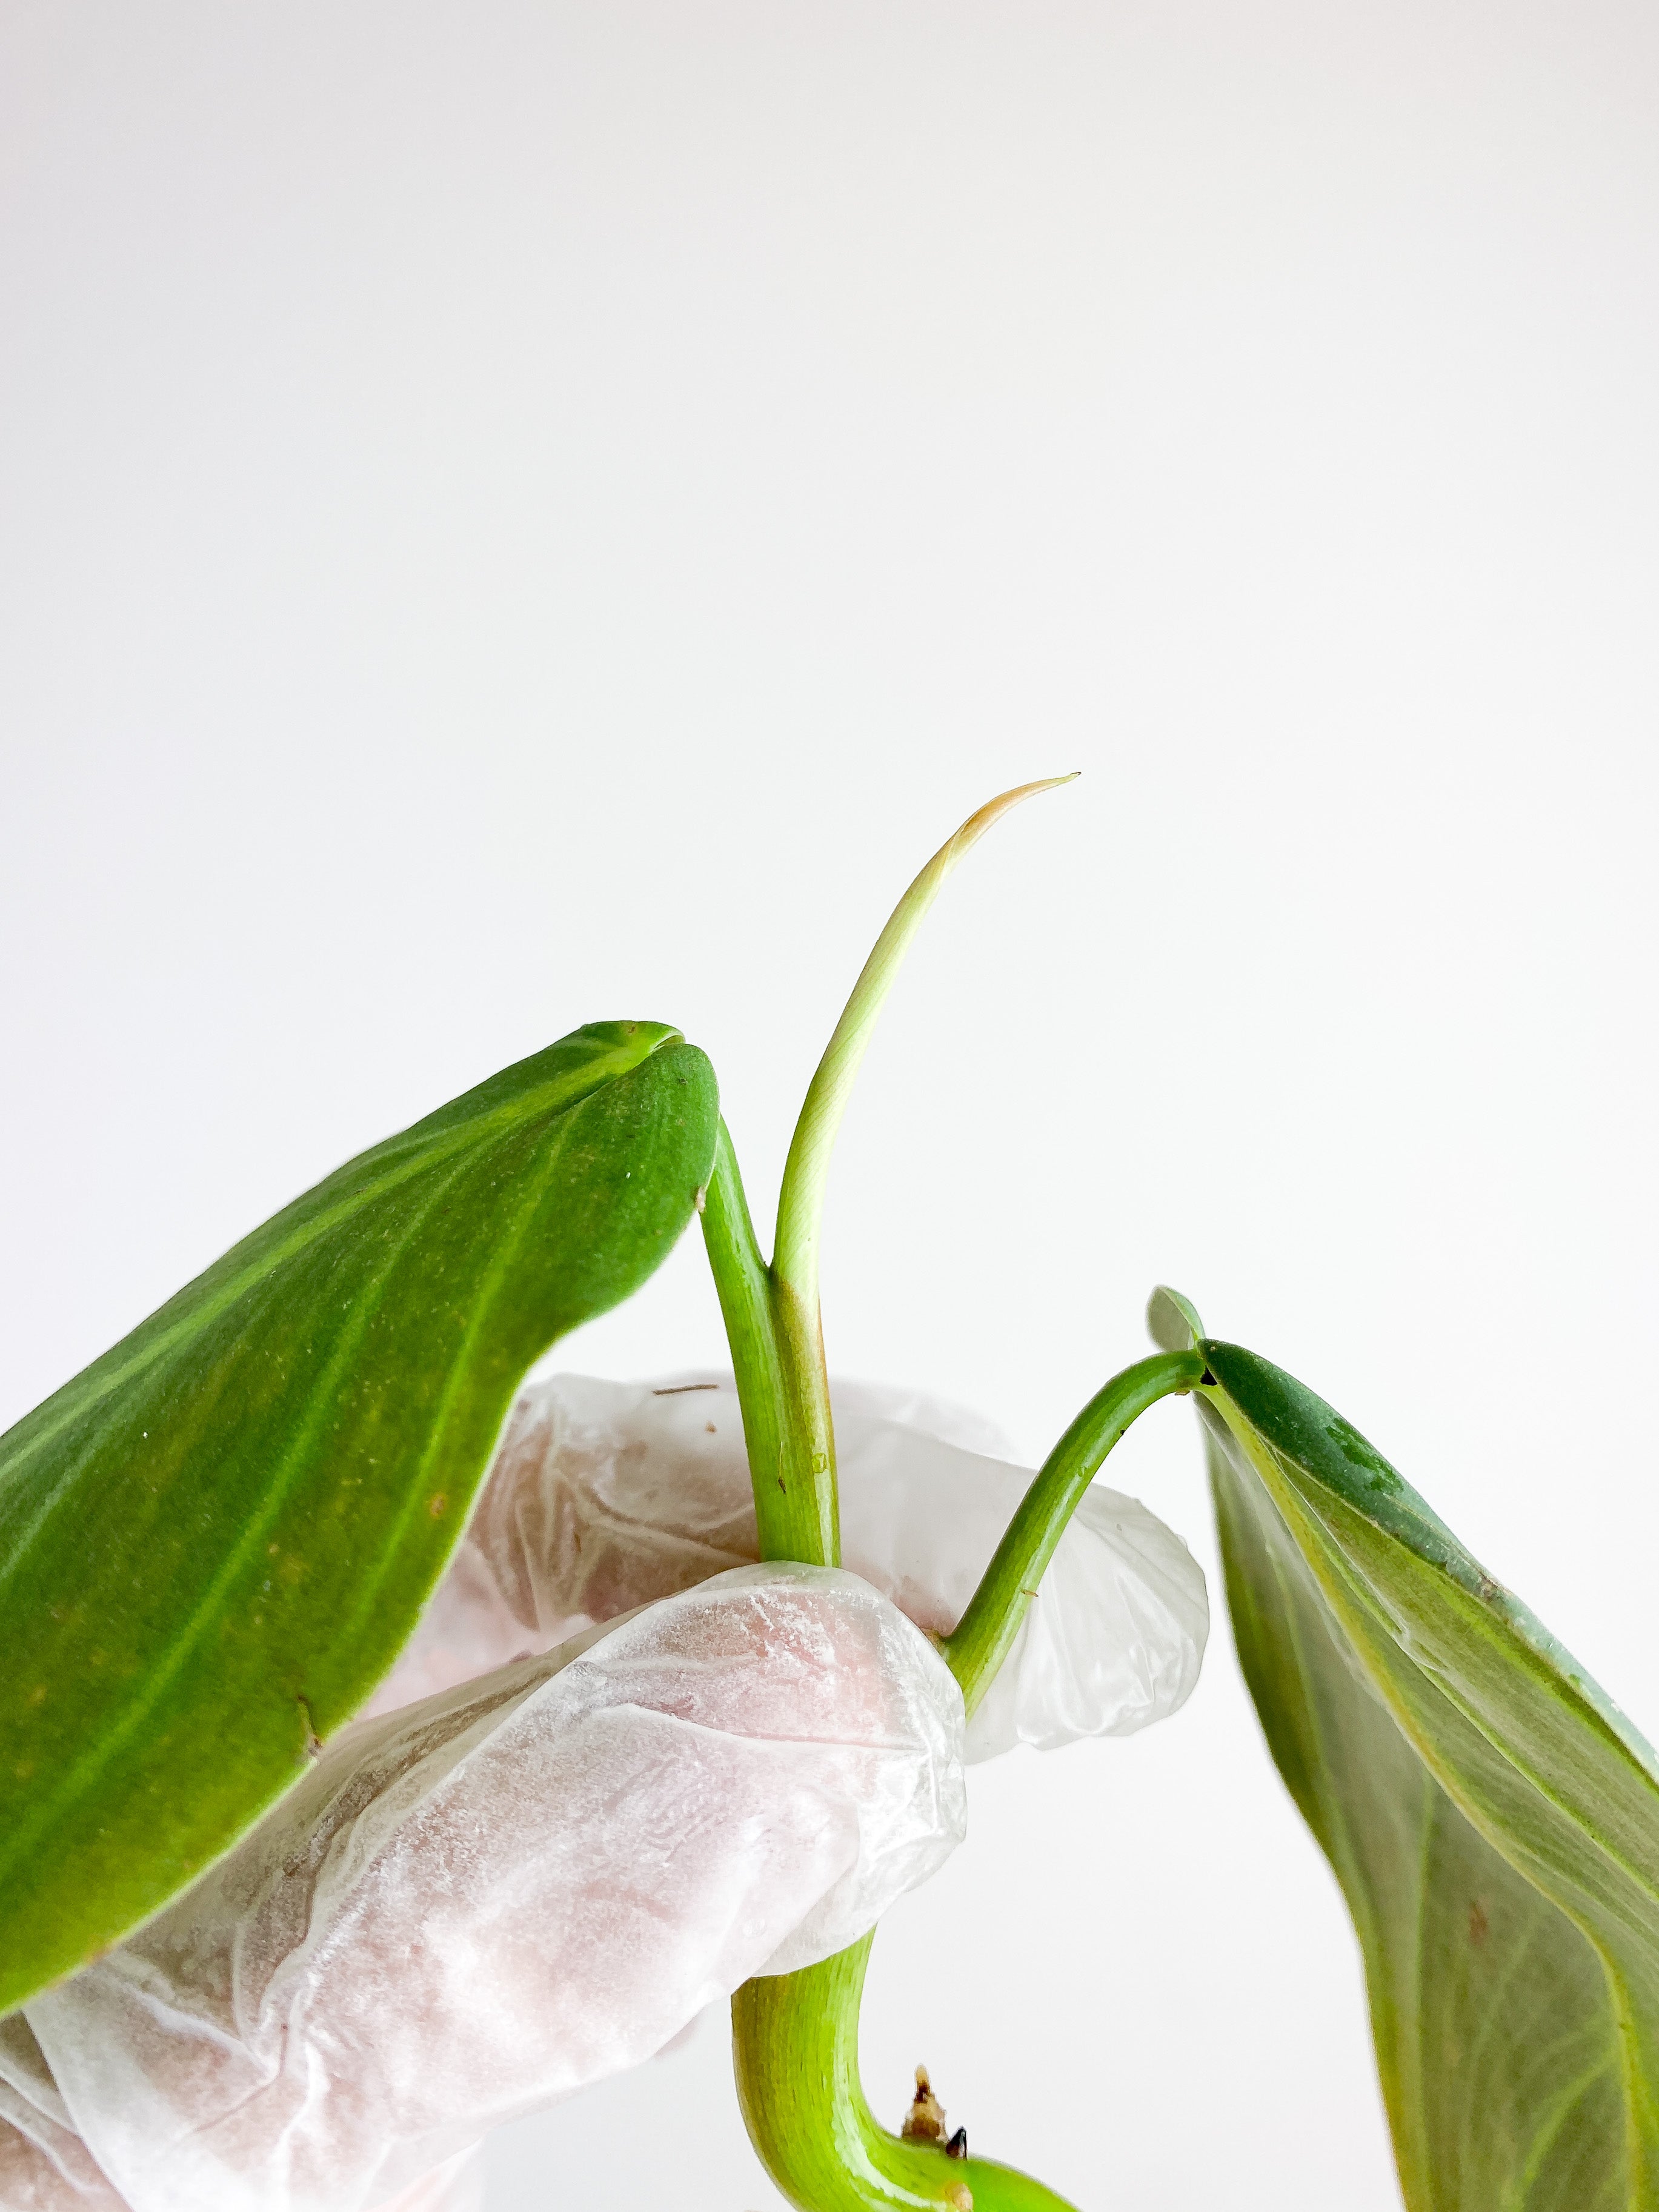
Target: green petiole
[{"x": 979, "y": 1642}]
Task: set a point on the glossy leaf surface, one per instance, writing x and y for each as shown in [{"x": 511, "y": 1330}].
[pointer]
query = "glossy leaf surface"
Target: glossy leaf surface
[
  {"x": 1492, "y": 1819},
  {"x": 215, "y": 1541}
]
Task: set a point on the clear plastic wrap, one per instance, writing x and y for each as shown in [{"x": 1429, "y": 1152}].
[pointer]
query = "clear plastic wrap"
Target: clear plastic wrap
[
  {"x": 607, "y": 1495},
  {"x": 457, "y": 2185},
  {"x": 619, "y": 1769},
  {"x": 46, "y": 2167},
  {"x": 479, "y": 1904},
  {"x": 44, "y": 2164}
]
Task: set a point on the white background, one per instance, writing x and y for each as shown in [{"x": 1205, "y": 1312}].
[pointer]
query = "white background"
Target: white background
[{"x": 527, "y": 512}]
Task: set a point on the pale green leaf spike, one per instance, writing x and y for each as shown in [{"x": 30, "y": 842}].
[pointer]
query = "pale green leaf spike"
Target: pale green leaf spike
[
  {"x": 800, "y": 1204},
  {"x": 771, "y": 1311}
]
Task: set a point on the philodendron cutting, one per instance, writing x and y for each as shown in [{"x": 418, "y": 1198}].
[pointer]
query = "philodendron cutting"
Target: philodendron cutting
[{"x": 292, "y": 1688}]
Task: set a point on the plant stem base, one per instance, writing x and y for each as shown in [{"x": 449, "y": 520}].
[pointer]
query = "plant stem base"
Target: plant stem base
[{"x": 794, "y": 2041}]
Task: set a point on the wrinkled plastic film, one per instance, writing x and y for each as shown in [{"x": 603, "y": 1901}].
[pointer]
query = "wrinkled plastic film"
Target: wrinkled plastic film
[
  {"x": 606, "y": 1495},
  {"x": 476, "y": 1905},
  {"x": 44, "y": 2164},
  {"x": 66, "y": 2178},
  {"x": 457, "y": 2185}
]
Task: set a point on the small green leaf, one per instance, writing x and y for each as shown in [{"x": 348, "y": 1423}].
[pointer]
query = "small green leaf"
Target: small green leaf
[
  {"x": 1491, "y": 1817},
  {"x": 214, "y": 1542},
  {"x": 1172, "y": 1322}
]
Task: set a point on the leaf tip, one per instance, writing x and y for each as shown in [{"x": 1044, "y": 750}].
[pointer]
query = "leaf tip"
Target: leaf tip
[{"x": 1172, "y": 1320}]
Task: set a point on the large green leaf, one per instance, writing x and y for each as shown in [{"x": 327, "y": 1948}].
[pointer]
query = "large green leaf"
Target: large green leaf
[
  {"x": 214, "y": 1542},
  {"x": 1491, "y": 1817}
]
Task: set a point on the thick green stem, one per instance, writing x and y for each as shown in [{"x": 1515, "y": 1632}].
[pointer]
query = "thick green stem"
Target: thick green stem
[
  {"x": 979, "y": 1642},
  {"x": 781, "y": 1382},
  {"x": 794, "y": 2043}
]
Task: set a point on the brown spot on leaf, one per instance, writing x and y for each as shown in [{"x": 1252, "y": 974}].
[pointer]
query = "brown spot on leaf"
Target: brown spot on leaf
[
  {"x": 314, "y": 1741},
  {"x": 1480, "y": 1927},
  {"x": 438, "y": 1503}
]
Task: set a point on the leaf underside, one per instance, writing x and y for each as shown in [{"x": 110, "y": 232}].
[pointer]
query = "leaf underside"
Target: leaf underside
[
  {"x": 1491, "y": 1819},
  {"x": 215, "y": 1541}
]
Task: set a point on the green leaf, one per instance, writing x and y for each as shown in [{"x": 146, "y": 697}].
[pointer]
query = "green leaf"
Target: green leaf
[
  {"x": 1492, "y": 1819},
  {"x": 214, "y": 1542}
]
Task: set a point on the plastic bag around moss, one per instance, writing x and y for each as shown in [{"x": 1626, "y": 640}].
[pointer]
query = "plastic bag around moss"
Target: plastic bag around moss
[
  {"x": 607, "y": 1495},
  {"x": 475, "y": 1906}
]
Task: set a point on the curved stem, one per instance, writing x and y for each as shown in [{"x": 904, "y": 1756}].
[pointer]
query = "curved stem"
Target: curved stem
[
  {"x": 794, "y": 2037},
  {"x": 977, "y": 1645},
  {"x": 794, "y": 2044}
]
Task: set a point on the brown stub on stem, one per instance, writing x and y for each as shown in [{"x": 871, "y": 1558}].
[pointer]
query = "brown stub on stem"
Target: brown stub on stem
[{"x": 925, "y": 2121}]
